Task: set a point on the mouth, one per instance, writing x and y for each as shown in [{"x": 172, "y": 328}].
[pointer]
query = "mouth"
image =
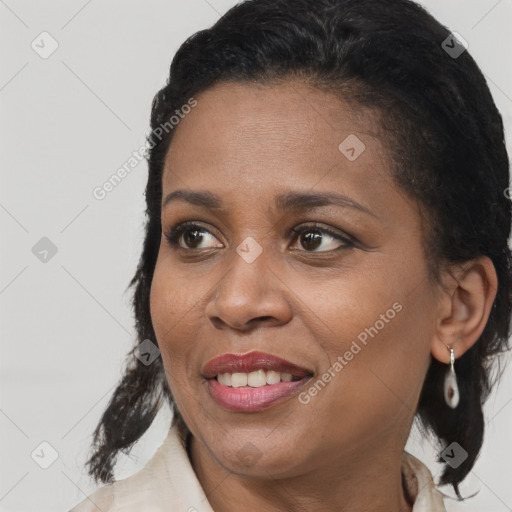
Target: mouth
[
  {"x": 249, "y": 367},
  {"x": 253, "y": 381}
]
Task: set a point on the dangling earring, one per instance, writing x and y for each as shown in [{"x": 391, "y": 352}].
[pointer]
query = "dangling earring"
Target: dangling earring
[{"x": 451, "y": 389}]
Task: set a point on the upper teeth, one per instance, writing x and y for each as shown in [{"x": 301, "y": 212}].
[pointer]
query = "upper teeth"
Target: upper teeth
[{"x": 256, "y": 379}]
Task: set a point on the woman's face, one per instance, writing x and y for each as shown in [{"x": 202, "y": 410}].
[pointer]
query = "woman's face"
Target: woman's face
[{"x": 358, "y": 315}]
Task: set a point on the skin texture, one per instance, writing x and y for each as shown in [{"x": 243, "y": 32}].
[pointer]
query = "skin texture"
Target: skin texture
[{"x": 301, "y": 300}]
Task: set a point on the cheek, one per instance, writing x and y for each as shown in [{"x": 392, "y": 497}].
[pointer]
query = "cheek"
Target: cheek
[
  {"x": 173, "y": 316},
  {"x": 376, "y": 388},
  {"x": 163, "y": 311},
  {"x": 168, "y": 315},
  {"x": 378, "y": 348},
  {"x": 172, "y": 298},
  {"x": 177, "y": 309}
]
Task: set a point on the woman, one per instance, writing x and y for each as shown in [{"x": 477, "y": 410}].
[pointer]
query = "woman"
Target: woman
[{"x": 325, "y": 260}]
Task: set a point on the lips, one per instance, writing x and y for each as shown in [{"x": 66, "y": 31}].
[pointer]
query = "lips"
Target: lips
[{"x": 246, "y": 363}]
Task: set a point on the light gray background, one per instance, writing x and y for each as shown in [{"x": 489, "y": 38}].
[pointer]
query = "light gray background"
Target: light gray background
[{"x": 67, "y": 124}]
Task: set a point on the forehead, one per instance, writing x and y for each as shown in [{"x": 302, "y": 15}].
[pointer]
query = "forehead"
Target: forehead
[
  {"x": 267, "y": 136},
  {"x": 291, "y": 113}
]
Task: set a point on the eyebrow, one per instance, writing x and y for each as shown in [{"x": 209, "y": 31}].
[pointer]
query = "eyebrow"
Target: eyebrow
[{"x": 296, "y": 201}]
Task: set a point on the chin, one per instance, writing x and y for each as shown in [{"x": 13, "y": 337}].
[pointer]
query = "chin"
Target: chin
[{"x": 247, "y": 456}]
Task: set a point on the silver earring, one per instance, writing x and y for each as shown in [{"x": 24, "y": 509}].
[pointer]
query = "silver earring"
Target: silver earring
[{"x": 451, "y": 389}]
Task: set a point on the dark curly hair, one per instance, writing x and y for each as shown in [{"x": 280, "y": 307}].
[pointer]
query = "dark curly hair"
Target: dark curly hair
[{"x": 446, "y": 138}]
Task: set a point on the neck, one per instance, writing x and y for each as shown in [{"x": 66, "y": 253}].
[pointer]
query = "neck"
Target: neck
[{"x": 370, "y": 481}]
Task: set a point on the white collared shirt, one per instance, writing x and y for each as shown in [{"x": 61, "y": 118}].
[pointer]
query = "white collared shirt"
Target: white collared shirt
[{"x": 168, "y": 483}]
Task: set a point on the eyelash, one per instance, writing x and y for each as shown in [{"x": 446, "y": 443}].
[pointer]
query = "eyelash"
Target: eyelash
[{"x": 175, "y": 232}]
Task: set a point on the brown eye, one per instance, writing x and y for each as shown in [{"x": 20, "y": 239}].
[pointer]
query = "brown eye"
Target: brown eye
[
  {"x": 312, "y": 237},
  {"x": 192, "y": 234}
]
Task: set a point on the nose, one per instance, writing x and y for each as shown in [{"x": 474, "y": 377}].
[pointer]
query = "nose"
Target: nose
[{"x": 250, "y": 293}]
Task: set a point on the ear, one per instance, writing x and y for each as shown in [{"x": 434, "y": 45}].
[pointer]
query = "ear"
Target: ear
[{"x": 464, "y": 307}]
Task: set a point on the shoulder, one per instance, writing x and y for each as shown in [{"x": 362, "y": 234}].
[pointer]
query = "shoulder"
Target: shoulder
[
  {"x": 128, "y": 493},
  {"x": 142, "y": 488},
  {"x": 167, "y": 480},
  {"x": 101, "y": 499}
]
